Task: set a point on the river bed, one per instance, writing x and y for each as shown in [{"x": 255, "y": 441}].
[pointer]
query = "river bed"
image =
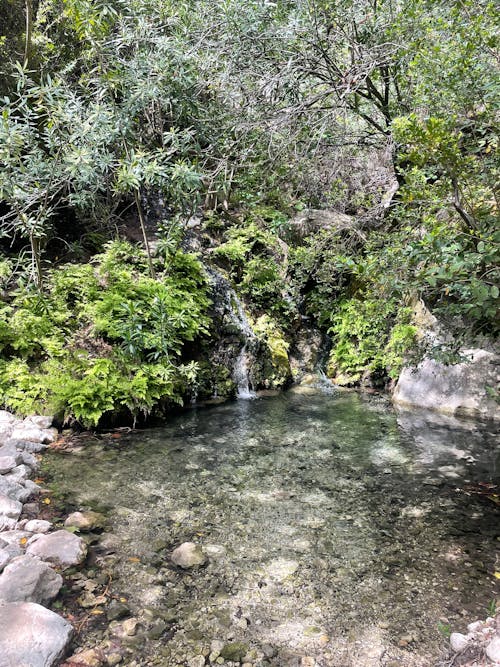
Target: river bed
[{"x": 339, "y": 532}]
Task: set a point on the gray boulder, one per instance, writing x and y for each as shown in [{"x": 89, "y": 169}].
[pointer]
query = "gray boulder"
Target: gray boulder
[
  {"x": 61, "y": 548},
  {"x": 188, "y": 555},
  {"x": 464, "y": 389},
  {"x": 32, "y": 635},
  {"x": 27, "y": 579}
]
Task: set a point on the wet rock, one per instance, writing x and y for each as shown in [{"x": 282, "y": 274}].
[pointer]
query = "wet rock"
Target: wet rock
[
  {"x": 89, "y": 658},
  {"x": 32, "y": 635},
  {"x": 61, "y": 548},
  {"x": 493, "y": 649},
  {"x": 234, "y": 651},
  {"x": 27, "y": 579},
  {"x": 130, "y": 626},
  {"x": 188, "y": 555},
  {"x": 197, "y": 661},
  {"x": 85, "y": 521},
  {"x": 117, "y": 610},
  {"x": 157, "y": 629},
  {"x": 37, "y": 526}
]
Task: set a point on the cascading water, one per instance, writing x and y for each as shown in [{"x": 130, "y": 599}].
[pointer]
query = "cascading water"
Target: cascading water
[{"x": 233, "y": 314}]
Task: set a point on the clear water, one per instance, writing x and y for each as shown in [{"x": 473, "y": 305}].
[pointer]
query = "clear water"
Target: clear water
[{"x": 340, "y": 533}]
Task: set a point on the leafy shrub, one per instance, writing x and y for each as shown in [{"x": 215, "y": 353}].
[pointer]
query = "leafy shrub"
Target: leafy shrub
[
  {"x": 104, "y": 337},
  {"x": 369, "y": 336}
]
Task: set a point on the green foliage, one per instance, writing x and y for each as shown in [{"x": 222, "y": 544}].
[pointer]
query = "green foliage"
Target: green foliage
[
  {"x": 104, "y": 337},
  {"x": 370, "y": 336}
]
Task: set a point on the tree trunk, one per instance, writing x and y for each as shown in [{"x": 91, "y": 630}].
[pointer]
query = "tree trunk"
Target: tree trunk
[{"x": 144, "y": 235}]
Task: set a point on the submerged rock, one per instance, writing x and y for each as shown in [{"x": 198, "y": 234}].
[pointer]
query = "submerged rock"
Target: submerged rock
[
  {"x": 61, "y": 548},
  {"x": 85, "y": 521},
  {"x": 32, "y": 635},
  {"x": 188, "y": 555},
  {"x": 27, "y": 579}
]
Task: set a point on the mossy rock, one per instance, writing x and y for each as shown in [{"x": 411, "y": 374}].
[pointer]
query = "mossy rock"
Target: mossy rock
[{"x": 235, "y": 651}]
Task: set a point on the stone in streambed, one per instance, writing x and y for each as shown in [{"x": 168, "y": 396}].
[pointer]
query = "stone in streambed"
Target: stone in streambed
[
  {"x": 188, "y": 555},
  {"x": 88, "y": 658},
  {"x": 32, "y": 635},
  {"x": 61, "y": 548},
  {"x": 235, "y": 651},
  {"x": 27, "y": 579},
  {"x": 85, "y": 521}
]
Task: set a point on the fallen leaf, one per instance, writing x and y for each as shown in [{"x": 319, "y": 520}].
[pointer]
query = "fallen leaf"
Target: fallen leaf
[
  {"x": 96, "y": 612},
  {"x": 134, "y": 559},
  {"x": 497, "y": 575},
  {"x": 23, "y": 540}
]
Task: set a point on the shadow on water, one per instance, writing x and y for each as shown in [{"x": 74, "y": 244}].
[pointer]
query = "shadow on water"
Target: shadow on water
[{"x": 338, "y": 530}]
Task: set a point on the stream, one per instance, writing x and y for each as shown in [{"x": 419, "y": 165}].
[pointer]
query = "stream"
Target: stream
[{"x": 339, "y": 531}]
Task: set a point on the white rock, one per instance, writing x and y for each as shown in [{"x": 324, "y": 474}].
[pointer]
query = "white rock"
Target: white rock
[
  {"x": 32, "y": 433},
  {"x": 459, "y": 390},
  {"x": 15, "y": 536},
  {"x": 61, "y": 548},
  {"x": 474, "y": 627},
  {"x": 32, "y": 635},
  {"x": 4, "y": 558},
  {"x": 38, "y": 526},
  {"x": 458, "y": 641},
  {"x": 493, "y": 649},
  {"x": 7, "y": 417},
  {"x": 6, "y": 523},
  {"x": 9, "y": 507},
  {"x": 7, "y": 463},
  {"x": 188, "y": 555},
  {"x": 39, "y": 421},
  {"x": 27, "y": 579}
]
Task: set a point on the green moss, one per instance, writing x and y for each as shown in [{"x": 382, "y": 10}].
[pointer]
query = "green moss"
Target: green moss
[{"x": 276, "y": 370}]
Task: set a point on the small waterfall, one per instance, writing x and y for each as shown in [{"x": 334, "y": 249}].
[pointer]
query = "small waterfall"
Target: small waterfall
[
  {"x": 240, "y": 374},
  {"x": 244, "y": 359},
  {"x": 233, "y": 313}
]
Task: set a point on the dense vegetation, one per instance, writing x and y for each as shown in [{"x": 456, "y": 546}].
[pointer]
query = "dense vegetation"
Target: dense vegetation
[{"x": 124, "y": 120}]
